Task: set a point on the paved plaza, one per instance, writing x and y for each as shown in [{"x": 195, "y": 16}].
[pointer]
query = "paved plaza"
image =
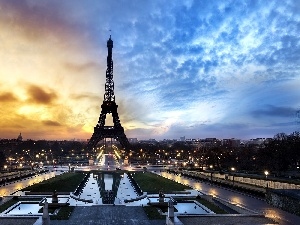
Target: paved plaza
[
  {"x": 17, "y": 221},
  {"x": 108, "y": 215},
  {"x": 95, "y": 212},
  {"x": 133, "y": 215},
  {"x": 226, "y": 220}
]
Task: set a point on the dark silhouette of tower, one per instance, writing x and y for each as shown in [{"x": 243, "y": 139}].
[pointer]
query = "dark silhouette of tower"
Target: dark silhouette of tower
[{"x": 109, "y": 106}]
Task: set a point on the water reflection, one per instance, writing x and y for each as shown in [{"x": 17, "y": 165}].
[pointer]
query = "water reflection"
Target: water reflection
[
  {"x": 191, "y": 208},
  {"x": 108, "y": 180},
  {"x": 25, "y": 208},
  {"x": 108, "y": 186},
  {"x": 60, "y": 200}
]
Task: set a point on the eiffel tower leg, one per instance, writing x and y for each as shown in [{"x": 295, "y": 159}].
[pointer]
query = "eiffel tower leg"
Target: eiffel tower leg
[
  {"x": 97, "y": 135},
  {"x": 102, "y": 117}
]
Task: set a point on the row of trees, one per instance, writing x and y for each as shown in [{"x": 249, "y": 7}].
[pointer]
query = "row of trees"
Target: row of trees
[{"x": 278, "y": 154}]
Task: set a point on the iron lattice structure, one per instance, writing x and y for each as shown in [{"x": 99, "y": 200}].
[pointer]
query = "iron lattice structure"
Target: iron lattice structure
[{"x": 109, "y": 106}]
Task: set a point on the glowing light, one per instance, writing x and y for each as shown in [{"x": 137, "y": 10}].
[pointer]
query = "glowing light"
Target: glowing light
[{"x": 266, "y": 173}]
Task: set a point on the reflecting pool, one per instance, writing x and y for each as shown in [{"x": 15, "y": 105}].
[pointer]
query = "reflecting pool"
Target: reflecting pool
[
  {"x": 156, "y": 199},
  {"x": 25, "y": 209},
  {"x": 190, "y": 208},
  {"x": 184, "y": 207},
  {"x": 60, "y": 200},
  {"x": 108, "y": 181}
]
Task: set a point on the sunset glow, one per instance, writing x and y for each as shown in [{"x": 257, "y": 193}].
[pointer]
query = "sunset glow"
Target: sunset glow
[{"x": 190, "y": 68}]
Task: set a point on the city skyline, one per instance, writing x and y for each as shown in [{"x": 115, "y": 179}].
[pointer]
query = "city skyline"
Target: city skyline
[{"x": 225, "y": 69}]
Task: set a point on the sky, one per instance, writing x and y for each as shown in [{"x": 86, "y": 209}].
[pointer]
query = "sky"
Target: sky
[{"x": 202, "y": 68}]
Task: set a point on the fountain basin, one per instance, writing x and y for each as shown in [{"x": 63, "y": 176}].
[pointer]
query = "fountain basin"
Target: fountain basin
[{"x": 22, "y": 208}]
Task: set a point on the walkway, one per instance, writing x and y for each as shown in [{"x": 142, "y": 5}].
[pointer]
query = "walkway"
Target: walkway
[
  {"x": 13, "y": 187},
  {"x": 258, "y": 205},
  {"x": 108, "y": 215},
  {"x": 13, "y": 221}
]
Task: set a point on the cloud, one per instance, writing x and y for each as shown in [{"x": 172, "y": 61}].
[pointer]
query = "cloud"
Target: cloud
[
  {"x": 274, "y": 111},
  {"x": 40, "y": 96},
  {"x": 83, "y": 67},
  {"x": 87, "y": 96},
  {"x": 7, "y": 97},
  {"x": 232, "y": 64},
  {"x": 51, "y": 123},
  {"x": 140, "y": 133}
]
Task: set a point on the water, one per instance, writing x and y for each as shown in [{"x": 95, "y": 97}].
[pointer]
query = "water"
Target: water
[
  {"x": 108, "y": 181},
  {"x": 60, "y": 200},
  {"x": 155, "y": 200},
  {"x": 96, "y": 187},
  {"x": 25, "y": 209},
  {"x": 190, "y": 208}
]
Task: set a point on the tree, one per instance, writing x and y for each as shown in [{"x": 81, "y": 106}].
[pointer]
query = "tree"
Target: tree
[{"x": 2, "y": 159}]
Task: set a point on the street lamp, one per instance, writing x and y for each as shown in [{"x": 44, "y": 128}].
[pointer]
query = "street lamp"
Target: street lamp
[
  {"x": 232, "y": 169},
  {"x": 211, "y": 173},
  {"x": 266, "y": 174}
]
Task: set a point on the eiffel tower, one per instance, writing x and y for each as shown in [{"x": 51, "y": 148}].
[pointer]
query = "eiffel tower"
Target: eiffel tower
[{"x": 109, "y": 106}]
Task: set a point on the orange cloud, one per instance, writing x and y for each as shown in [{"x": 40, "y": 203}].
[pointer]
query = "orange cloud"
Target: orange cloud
[
  {"x": 56, "y": 75},
  {"x": 80, "y": 67},
  {"x": 7, "y": 97},
  {"x": 87, "y": 96},
  {"x": 51, "y": 123},
  {"x": 38, "y": 95}
]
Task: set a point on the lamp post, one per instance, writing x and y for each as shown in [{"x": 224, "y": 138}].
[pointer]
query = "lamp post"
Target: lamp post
[
  {"x": 211, "y": 173},
  {"x": 266, "y": 174},
  {"x": 232, "y": 169}
]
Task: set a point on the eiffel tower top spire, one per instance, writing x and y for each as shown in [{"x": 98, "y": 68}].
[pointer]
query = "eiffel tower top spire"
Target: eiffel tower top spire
[{"x": 109, "y": 95}]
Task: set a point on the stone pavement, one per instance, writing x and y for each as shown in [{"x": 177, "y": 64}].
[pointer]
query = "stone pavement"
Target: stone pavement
[
  {"x": 108, "y": 215},
  {"x": 18, "y": 221},
  {"x": 227, "y": 220}
]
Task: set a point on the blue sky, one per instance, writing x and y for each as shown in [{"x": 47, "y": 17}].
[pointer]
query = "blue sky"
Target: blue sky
[{"x": 226, "y": 69}]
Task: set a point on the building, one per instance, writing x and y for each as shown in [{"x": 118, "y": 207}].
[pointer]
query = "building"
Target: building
[
  {"x": 231, "y": 143},
  {"x": 20, "y": 138},
  {"x": 133, "y": 140}
]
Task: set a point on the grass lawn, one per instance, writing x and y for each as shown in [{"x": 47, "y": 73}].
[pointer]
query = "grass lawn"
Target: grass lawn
[
  {"x": 108, "y": 171},
  {"x": 8, "y": 204},
  {"x": 66, "y": 182},
  {"x": 216, "y": 209},
  {"x": 152, "y": 183},
  {"x": 152, "y": 213},
  {"x": 63, "y": 214}
]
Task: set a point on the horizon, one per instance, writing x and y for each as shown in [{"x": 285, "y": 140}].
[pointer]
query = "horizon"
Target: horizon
[
  {"x": 191, "y": 68},
  {"x": 171, "y": 139}
]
